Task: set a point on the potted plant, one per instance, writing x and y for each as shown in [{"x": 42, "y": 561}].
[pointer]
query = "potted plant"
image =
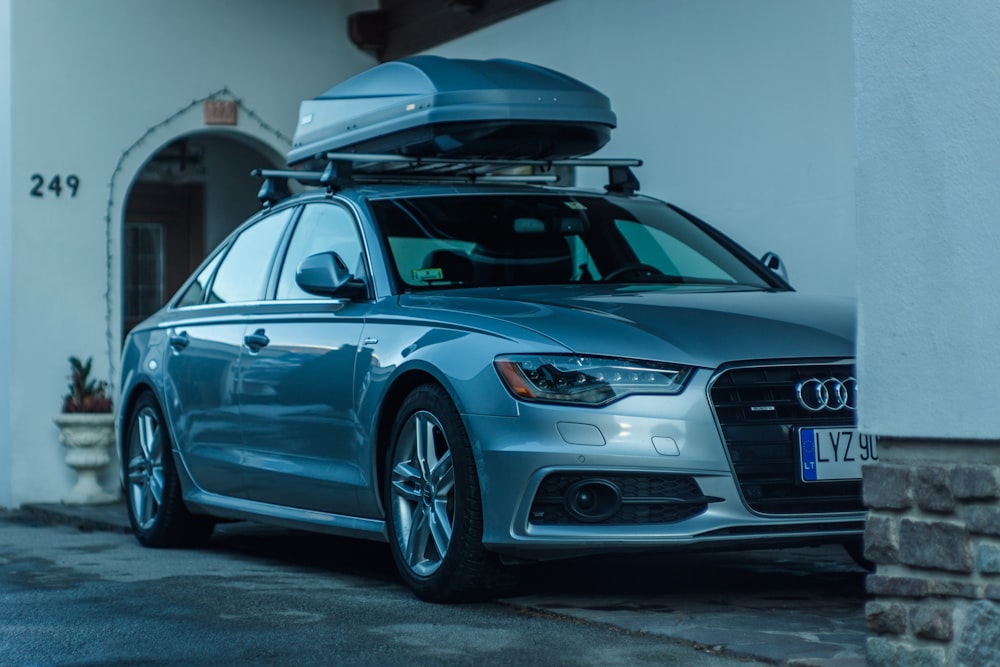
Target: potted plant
[{"x": 86, "y": 428}]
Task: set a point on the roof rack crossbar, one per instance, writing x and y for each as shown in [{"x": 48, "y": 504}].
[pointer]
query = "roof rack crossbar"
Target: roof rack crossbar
[
  {"x": 287, "y": 173},
  {"x": 341, "y": 169}
]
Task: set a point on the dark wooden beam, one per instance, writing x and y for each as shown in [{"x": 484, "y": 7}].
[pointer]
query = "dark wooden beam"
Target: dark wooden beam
[{"x": 400, "y": 28}]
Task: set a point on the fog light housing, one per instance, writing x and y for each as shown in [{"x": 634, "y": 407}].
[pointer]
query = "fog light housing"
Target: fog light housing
[{"x": 593, "y": 500}]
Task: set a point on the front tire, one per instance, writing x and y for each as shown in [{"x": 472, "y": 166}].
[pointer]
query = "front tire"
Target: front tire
[
  {"x": 434, "y": 510},
  {"x": 154, "y": 499}
]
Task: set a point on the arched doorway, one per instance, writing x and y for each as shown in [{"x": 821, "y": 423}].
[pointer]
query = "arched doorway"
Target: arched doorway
[{"x": 186, "y": 198}]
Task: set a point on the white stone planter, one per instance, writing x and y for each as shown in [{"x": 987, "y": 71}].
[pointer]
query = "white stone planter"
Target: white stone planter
[{"x": 88, "y": 438}]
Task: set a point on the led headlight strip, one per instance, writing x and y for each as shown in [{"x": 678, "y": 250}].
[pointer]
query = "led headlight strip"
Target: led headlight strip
[{"x": 587, "y": 380}]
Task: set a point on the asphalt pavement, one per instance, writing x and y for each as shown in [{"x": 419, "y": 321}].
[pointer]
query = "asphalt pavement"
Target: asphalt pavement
[{"x": 801, "y": 607}]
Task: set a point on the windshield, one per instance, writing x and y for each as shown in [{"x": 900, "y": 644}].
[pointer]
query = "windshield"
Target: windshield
[{"x": 452, "y": 241}]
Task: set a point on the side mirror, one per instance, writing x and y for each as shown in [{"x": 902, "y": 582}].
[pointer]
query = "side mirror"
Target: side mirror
[
  {"x": 773, "y": 262},
  {"x": 325, "y": 274}
]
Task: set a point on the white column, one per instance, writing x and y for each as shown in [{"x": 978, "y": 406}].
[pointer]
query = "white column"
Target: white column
[
  {"x": 6, "y": 253},
  {"x": 927, "y": 193}
]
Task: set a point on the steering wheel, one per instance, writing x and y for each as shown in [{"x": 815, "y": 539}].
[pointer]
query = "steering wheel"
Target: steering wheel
[{"x": 632, "y": 268}]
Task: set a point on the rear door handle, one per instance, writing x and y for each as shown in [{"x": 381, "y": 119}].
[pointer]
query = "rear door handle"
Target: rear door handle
[
  {"x": 179, "y": 341},
  {"x": 256, "y": 340}
]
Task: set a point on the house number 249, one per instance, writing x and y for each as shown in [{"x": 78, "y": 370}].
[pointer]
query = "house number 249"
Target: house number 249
[{"x": 56, "y": 185}]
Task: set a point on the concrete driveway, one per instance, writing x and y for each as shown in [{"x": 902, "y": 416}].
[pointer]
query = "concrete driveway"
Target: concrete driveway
[{"x": 784, "y": 607}]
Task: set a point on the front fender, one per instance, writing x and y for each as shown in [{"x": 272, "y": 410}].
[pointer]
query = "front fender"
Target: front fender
[{"x": 397, "y": 354}]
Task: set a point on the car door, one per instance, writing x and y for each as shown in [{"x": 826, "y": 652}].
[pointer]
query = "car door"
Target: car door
[
  {"x": 304, "y": 447},
  {"x": 205, "y": 339}
]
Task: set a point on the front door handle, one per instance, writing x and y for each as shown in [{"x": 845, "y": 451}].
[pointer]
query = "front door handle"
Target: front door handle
[
  {"x": 256, "y": 340},
  {"x": 179, "y": 341}
]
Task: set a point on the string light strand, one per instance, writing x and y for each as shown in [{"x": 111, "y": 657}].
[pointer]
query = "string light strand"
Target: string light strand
[{"x": 221, "y": 94}]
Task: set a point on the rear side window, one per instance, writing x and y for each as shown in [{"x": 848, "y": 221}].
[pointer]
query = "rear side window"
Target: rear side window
[
  {"x": 244, "y": 270},
  {"x": 195, "y": 293}
]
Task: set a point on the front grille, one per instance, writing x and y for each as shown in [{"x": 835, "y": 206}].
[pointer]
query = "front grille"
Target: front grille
[
  {"x": 646, "y": 498},
  {"x": 760, "y": 416}
]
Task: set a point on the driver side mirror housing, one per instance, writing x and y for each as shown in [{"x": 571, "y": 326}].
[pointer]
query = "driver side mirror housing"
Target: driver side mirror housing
[{"x": 326, "y": 274}]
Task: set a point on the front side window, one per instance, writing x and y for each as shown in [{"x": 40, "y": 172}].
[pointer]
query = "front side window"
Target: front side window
[
  {"x": 321, "y": 228},
  {"x": 244, "y": 270},
  {"x": 449, "y": 241}
]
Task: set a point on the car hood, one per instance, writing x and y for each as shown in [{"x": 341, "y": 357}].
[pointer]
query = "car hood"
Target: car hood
[{"x": 679, "y": 324}]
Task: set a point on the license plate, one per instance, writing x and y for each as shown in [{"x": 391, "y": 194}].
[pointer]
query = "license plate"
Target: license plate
[{"x": 835, "y": 453}]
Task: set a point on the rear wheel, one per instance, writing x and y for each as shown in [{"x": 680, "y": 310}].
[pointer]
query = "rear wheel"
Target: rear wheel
[
  {"x": 153, "y": 491},
  {"x": 434, "y": 512}
]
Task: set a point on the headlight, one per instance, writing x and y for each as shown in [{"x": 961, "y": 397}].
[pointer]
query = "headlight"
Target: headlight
[{"x": 587, "y": 380}]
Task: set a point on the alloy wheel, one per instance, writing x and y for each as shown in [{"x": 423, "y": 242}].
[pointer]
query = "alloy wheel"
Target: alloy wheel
[
  {"x": 423, "y": 493},
  {"x": 145, "y": 468}
]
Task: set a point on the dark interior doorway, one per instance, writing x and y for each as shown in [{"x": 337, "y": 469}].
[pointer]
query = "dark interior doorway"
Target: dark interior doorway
[
  {"x": 164, "y": 243},
  {"x": 188, "y": 197}
]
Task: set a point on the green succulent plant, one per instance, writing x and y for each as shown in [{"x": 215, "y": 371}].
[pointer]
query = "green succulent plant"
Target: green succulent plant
[{"x": 85, "y": 394}]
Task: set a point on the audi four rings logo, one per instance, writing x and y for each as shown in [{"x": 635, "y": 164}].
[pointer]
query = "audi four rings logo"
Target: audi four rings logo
[{"x": 831, "y": 394}]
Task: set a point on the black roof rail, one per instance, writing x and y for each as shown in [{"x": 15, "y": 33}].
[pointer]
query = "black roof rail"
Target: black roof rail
[{"x": 342, "y": 169}]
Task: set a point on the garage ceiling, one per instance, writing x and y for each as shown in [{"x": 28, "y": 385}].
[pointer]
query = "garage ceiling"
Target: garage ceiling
[{"x": 399, "y": 28}]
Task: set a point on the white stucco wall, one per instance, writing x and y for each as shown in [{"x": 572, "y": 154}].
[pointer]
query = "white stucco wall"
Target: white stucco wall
[
  {"x": 928, "y": 197},
  {"x": 5, "y": 252},
  {"x": 229, "y": 164},
  {"x": 88, "y": 81},
  {"x": 740, "y": 110}
]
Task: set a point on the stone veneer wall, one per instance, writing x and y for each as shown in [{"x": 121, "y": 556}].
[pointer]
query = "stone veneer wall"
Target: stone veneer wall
[{"x": 934, "y": 534}]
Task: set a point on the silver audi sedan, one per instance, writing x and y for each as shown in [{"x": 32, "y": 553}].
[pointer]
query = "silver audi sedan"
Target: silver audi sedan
[{"x": 488, "y": 374}]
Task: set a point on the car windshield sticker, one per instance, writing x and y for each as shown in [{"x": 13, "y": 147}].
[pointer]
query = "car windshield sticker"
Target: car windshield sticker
[
  {"x": 575, "y": 205},
  {"x": 428, "y": 274}
]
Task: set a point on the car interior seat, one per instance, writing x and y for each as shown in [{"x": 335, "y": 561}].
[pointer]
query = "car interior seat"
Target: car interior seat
[{"x": 527, "y": 259}]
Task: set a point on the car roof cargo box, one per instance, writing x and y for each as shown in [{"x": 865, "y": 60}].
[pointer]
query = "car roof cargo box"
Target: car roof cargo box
[{"x": 429, "y": 106}]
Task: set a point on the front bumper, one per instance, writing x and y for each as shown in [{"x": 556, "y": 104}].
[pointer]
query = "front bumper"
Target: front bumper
[{"x": 664, "y": 454}]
